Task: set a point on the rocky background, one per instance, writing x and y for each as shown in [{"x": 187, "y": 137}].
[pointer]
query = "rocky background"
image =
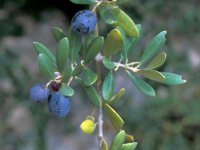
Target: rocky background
[{"x": 171, "y": 121}]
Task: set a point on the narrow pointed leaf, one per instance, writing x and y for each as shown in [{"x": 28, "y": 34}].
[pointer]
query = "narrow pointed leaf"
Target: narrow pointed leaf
[
  {"x": 157, "y": 61},
  {"x": 89, "y": 77},
  {"x": 153, "y": 47},
  {"x": 125, "y": 22},
  {"x": 117, "y": 96},
  {"x": 46, "y": 66},
  {"x": 129, "y": 146},
  {"x": 114, "y": 117},
  {"x": 42, "y": 49},
  {"x": 118, "y": 140},
  {"x": 107, "y": 15},
  {"x": 84, "y": 1},
  {"x": 62, "y": 54},
  {"x": 108, "y": 63},
  {"x": 67, "y": 73},
  {"x": 94, "y": 48},
  {"x": 93, "y": 95},
  {"x": 58, "y": 33},
  {"x": 141, "y": 85},
  {"x": 113, "y": 43},
  {"x": 172, "y": 78},
  {"x": 108, "y": 86},
  {"x": 75, "y": 43},
  {"x": 151, "y": 74},
  {"x": 66, "y": 90}
]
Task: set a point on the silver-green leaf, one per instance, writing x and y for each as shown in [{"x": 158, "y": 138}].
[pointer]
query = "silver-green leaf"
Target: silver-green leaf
[
  {"x": 62, "y": 54},
  {"x": 172, "y": 78},
  {"x": 46, "y": 66},
  {"x": 108, "y": 86},
  {"x": 153, "y": 47},
  {"x": 141, "y": 85}
]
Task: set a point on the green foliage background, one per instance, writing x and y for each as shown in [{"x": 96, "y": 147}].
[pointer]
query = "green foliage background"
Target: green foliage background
[{"x": 168, "y": 122}]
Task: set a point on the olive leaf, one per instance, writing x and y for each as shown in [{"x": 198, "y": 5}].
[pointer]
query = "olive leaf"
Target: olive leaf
[
  {"x": 116, "y": 96},
  {"x": 118, "y": 140},
  {"x": 66, "y": 90},
  {"x": 75, "y": 43},
  {"x": 151, "y": 74},
  {"x": 62, "y": 53},
  {"x": 157, "y": 61},
  {"x": 172, "y": 78},
  {"x": 114, "y": 117},
  {"x": 107, "y": 15},
  {"x": 153, "y": 47},
  {"x": 129, "y": 146},
  {"x": 108, "y": 63},
  {"x": 141, "y": 85},
  {"x": 113, "y": 42},
  {"x": 58, "y": 33},
  {"x": 42, "y": 49},
  {"x": 89, "y": 77},
  {"x": 125, "y": 22},
  {"x": 108, "y": 86},
  {"x": 46, "y": 66}
]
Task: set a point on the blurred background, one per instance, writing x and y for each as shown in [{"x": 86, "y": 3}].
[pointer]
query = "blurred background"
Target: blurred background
[{"x": 170, "y": 121}]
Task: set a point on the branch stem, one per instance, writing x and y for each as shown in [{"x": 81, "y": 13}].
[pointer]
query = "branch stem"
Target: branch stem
[{"x": 98, "y": 70}]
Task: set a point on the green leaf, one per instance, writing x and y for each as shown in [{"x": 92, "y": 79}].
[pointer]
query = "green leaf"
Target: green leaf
[
  {"x": 172, "y": 78},
  {"x": 141, "y": 85},
  {"x": 125, "y": 22},
  {"x": 93, "y": 95},
  {"x": 118, "y": 140},
  {"x": 108, "y": 86},
  {"x": 41, "y": 49},
  {"x": 62, "y": 54},
  {"x": 124, "y": 46},
  {"x": 67, "y": 73},
  {"x": 107, "y": 15},
  {"x": 108, "y": 63},
  {"x": 87, "y": 2},
  {"x": 78, "y": 69},
  {"x": 46, "y": 66},
  {"x": 58, "y": 33},
  {"x": 66, "y": 90},
  {"x": 114, "y": 117},
  {"x": 129, "y": 146},
  {"x": 117, "y": 96},
  {"x": 151, "y": 74},
  {"x": 75, "y": 43},
  {"x": 157, "y": 61},
  {"x": 113, "y": 43},
  {"x": 89, "y": 77},
  {"x": 153, "y": 47},
  {"x": 94, "y": 48}
]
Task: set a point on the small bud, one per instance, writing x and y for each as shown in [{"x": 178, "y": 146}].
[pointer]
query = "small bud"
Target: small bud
[{"x": 88, "y": 126}]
